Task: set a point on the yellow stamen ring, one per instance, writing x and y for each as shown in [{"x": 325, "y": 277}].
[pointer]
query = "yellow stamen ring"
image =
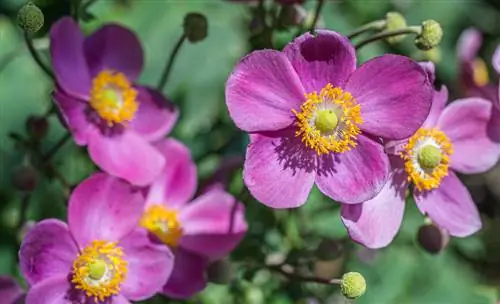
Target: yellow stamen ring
[{"x": 163, "y": 223}]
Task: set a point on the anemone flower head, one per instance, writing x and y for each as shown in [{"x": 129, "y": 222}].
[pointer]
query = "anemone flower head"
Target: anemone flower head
[
  {"x": 101, "y": 256},
  {"x": 452, "y": 139},
  {"x": 100, "y": 103},
  {"x": 10, "y": 291},
  {"x": 198, "y": 231},
  {"x": 314, "y": 118}
]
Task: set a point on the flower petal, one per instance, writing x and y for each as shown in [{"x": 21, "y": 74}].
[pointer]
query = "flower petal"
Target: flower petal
[
  {"x": 54, "y": 290},
  {"x": 430, "y": 69},
  {"x": 439, "y": 100},
  {"x": 113, "y": 47},
  {"x": 262, "y": 90},
  {"x": 48, "y": 250},
  {"x": 354, "y": 176},
  {"x": 149, "y": 265},
  {"x": 155, "y": 117},
  {"x": 395, "y": 95},
  {"x": 376, "y": 222},
  {"x": 68, "y": 60},
  {"x": 126, "y": 155},
  {"x": 451, "y": 207},
  {"x": 103, "y": 207},
  {"x": 465, "y": 122},
  {"x": 279, "y": 170},
  {"x": 188, "y": 277},
  {"x": 176, "y": 185},
  {"x": 468, "y": 44},
  {"x": 326, "y": 57},
  {"x": 213, "y": 224},
  {"x": 73, "y": 115},
  {"x": 495, "y": 61},
  {"x": 10, "y": 291}
]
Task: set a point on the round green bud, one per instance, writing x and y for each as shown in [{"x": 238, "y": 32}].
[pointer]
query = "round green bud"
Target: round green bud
[
  {"x": 195, "y": 27},
  {"x": 429, "y": 157},
  {"x": 30, "y": 18},
  {"x": 326, "y": 121},
  {"x": 97, "y": 269},
  {"x": 220, "y": 272},
  {"x": 353, "y": 285},
  {"x": 435, "y": 55},
  {"x": 395, "y": 21},
  {"x": 430, "y": 36}
]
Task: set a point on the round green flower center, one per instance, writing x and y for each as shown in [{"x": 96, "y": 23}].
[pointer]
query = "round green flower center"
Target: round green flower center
[
  {"x": 326, "y": 121},
  {"x": 97, "y": 269},
  {"x": 429, "y": 157},
  {"x": 112, "y": 95}
]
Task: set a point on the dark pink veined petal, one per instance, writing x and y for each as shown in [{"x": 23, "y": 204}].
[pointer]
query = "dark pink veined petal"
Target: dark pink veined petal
[
  {"x": 53, "y": 290},
  {"x": 212, "y": 224},
  {"x": 176, "y": 184},
  {"x": 68, "y": 60},
  {"x": 149, "y": 265},
  {"x": 156, "y": 115},
  {"x": 450, "y": 206},
  {"x": 395, "y": 95},
  {"x": 126, "y": 155},
  {"x": 468, "y": 44},
  {"x": 10, "y": 290},
  {"x": 465, "y": 123},
  {"x": 376, "y": 222},
  {"x": 113, "y": 47},
  {"x": 262, "y": 90},
  {"x": 188, "y": 276},
  {"x": 103, "y": 207},
  {"x": 354, "y": 176},
  {"x": 327, "y": 57},
  {"x": 48, "y": 250},
  {"x": 439, "y": 100},
  {"x": 279, "y": 170}
]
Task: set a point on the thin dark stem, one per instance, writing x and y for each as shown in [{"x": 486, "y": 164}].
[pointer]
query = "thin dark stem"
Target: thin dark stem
[
  {"x": 25, "y": 201},
  {"x": 56, "y": 147},
  {"x": 290, "y": 274},
  {"x": 36, "y": 56},
  {"x": 76, "y": 9},
  {"x": 375, "y": 25},
  {"x": 383, "y": 35},
  {"x": 317, "y": 13},
  {"x": 88, "y": 4},
  {"x": 170, "y": 63}
]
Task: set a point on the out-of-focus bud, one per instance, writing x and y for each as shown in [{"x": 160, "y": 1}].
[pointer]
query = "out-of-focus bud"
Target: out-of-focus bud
[
  {"x": 292, "y": 15},
  {"x": 195, "y": 27},
  {"x": 37, "y": 126},
  {"x": 395, "y": 21},
  {"x": 10, "y": 216},
  {"x": 30, "y": 18},
  {"x": 353, "y": 285},
  {"x": 24, "y": 229},
  {"x": 220, "y": 272},
  {"x": 24, "y": 178},
  {"x": 432, "y": 238},
  {"x": 329, "y": 249},
  {"x": 430, "y": 36},
  {"x": 433, "y": 55}
]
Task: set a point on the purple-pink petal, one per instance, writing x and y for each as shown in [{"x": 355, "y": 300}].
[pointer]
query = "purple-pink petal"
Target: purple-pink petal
[
  {"x": 262, "y": 90},
  {"x": 439, "y": 100},
  {"x": 149, "y": 265},
  {"x": 451, "y": 207},
  {"x": 103, "y": 207},
  {"x": 430, "y": 69},
  {"x": 10, "y": 291},
  {"x": 468, "y": 44},
  {"x": 354, "y": 176},
  {"x": 325, "y": 58},
  {"x": 213, "y": 224},
  {"x": 126, "y": 155},
  {"x": 176, "y": 184},
  {"x": 279, "y": 170},
  {"x": 48, "y": 250},
  {"x": 53, "y": 290},
  {"x": 188, "y": 276},
  {"x": 465, "y": 123},
  {"x": 156, "y": 115},
  {"x": 395, "y": 95},
  {"x": 113, "y": 47},
  {"x": 68, "y": 60},
  {"x": 495, "y": 61}
]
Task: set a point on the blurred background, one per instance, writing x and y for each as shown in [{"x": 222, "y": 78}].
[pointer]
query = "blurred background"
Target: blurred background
[{"x": 312, "y": 238}]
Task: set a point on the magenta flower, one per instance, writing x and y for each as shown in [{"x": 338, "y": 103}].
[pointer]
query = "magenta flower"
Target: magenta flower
[
  {"x": 100, "y": 256},
  {"x": 207, "y": 228},
  {"x": 451, "y": 139},
  {"x": 10, "y": 291},
  {"x": 102, "y": 106},
  {"x": 314, "y": 118}
]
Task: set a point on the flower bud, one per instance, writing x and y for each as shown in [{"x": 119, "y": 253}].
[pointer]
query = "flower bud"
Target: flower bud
[
  {"x": 292, "y": 15},
  {"x": 24, "y": 178},
  {"x": 37, "y": 126},
  {"x": 195, "y": 27},
  {"x": 433, "y": 55},
  {"x": 30, "y": 18},
  {"x": 432, "y": 238},
  {"x": 395, "y": 21},
  {"x": 328, "y": 250},
  {"x": 430, "y": 35},
  {"x": 220, "y": 272},
  {"x": 353, "y": 285}
]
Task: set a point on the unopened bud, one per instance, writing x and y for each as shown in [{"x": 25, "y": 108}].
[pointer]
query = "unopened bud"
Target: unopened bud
[
  {"x": 328, "y": 250},
  {"x": 433, "y": 55},
  {"x": 395, "y": 21},
  {"x": 37, "y": 126},
  {"x": 195, "y": 27},
  {"x": 220, "y": 272},
  {"x": 292, "y": 15},
  {"x": 24, "y": 178},
  {"x": 430, "y": 36},
  {"x": 432, "y": 238},
  {"x": 30, "y": 18},
  {"x": 353, "y": 285}
]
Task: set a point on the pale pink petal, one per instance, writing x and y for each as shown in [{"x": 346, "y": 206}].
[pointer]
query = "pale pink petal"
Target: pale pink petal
[
  {"x": 468, "y": 44},
  {"x": 495, "y": 61},
  {"x": 439, "y": 100}
]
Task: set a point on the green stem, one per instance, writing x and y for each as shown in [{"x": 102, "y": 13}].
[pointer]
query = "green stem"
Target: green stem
[
  {"x": 25, "y": 201},
  {"x": 88, "y": 4},
  {"x": 56, "y": 147},
  {"x": 372, "y": 26},
  {"x": 317, "y": 13},
  {"x": 409, "y": 30},
  {"x": 170, "y": 63},
  {"x": 36, "y": 56},
  {"x": 290, "y": 274}
]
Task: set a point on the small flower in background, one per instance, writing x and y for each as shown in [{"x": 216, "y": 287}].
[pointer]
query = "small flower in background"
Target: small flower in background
[
  {"x": 10, "y": 291},
  {"x": 453, "y": 138},
  {"x": 314, "y": 118},
  {"x": 100, "y": 256},
  {"x": 199, "y": 231},
  {"x": 102, "y": 106}
]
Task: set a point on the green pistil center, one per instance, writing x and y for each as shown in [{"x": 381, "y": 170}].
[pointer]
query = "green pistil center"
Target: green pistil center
[
  {"x": 429, "y": 157},
  {"x": 326, "y": 121},
  {"x": 97, "y": 269}
]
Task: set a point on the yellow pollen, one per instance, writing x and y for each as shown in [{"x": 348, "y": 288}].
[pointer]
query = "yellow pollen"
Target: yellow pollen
[
  {"x": 99, "y": 270},
  {"x": 329, "y": 121},
  {"x": 480, "y": 72},
  {"x": 427, "y": 156},
  {"x": 163, "y": 223},
  {"x": 113, "y": 97}
]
